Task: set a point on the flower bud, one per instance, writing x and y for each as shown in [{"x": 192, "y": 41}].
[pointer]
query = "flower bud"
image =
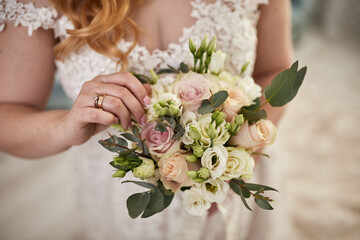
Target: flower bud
[
  {"x": 145, "y": 170},
  {"x": 191, "y": 158},
  {"x": 120, "y": 173},
  {"x": 154, "y": 76},
  {"x": 192, "y": 46},
  {"x": 198, "y": 151},
  {"x": 239, "y": 119},
  {"x": 198, "y": 180},
  {"x": 217, "y": 62},
  {"x": 173, "y": 110},
  {"x": 159, "y": 110},
  {"x": 204, "y": 173},
  {"x": 215, "y": 115},
  {"x": 211, "y": 131},
  {"x": 194, "y": 133},
  {"x": 119, "y": 160},
  {"x": 228, "y": 126},
  {"x": 192, "y": 174},
  {"x": 212, "y": 45},
  {"x": 234, "y": 126},
  {"x": 220, "y": 118},
  {"x": 163, "y": 103},
  {"x": 204, "y": 44}
]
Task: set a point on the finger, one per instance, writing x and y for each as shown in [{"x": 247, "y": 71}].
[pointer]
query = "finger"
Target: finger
[
  {"x": 95, "y": 115},
  {"x": 117, "y": 107},
  {"x": 147, "y": 87},
  {"x": 127, "y": 80}
]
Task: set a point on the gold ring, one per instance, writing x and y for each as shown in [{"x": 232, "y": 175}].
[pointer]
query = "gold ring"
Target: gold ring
[{"x": 98, "y": 101}]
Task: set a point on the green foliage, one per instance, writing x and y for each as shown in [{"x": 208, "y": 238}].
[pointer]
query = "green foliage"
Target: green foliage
[
  {"x": 142, "y": 78},
  {"x": 244, "y": 67},
  {"x": 209, "y": 105},
  {"x": 284, "y": 86},
  {"x": 114, "y": 144},
  {"x": 184, "y": 68},
  {"x": 150, "y": 202},
  {"x": 253, "y": 116}
]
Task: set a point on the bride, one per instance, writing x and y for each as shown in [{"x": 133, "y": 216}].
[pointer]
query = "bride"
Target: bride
[{"x": 93, "y": 44}]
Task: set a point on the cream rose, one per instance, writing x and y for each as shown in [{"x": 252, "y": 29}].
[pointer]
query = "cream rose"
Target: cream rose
[
  {"x": 159, "y": 143},
  {"x": 192, "y": 88},
  {"x": 238, "y": 164},
  {"x": 215, "y": 190},
  {"x": 215, "y": 160},
  {"x": 250, "y": 87},
  {"x": 255, "y": 136},
  {"x": 236, "y": 100},
  {"x": 222, "y": 135},
  {"x": 194, "y": 202},
  {"x": 173, "y": 170}
]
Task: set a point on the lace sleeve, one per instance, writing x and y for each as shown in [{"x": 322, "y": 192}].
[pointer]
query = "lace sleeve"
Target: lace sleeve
[{"x": 27, "y": 15}]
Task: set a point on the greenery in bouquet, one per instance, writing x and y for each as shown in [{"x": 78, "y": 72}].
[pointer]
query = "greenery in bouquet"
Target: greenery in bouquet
[{"x": 204, "y": 125}]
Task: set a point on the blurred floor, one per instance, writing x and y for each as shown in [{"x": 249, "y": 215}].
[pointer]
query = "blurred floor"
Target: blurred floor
[{"x": 317, "y": 148}]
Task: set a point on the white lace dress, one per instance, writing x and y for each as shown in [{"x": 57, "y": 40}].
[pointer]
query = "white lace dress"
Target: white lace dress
[{"x": 102, "y": 199}]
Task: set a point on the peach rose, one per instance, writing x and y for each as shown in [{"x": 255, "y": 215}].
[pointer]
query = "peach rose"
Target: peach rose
[
  {"x": 235, "y": 101},
  {"x": 192, "y": 88},
  {"x": 173, "y": 170},
  {"x": 159, "y": 143},
  {"x": 255, "y": 136}
]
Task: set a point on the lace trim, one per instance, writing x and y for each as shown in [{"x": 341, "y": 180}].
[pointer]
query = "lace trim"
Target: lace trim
[{"x": 27, "y": 15}]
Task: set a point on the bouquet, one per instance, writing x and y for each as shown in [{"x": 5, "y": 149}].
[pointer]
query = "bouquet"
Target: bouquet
[{"x": 204, "y": 125}]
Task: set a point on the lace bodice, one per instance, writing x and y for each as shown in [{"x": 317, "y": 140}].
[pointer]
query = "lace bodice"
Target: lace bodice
[{"x": 232, "y": 21}]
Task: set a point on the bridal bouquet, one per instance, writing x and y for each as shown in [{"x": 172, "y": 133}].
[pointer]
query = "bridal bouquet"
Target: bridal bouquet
[{"x": 204, "y": 124}]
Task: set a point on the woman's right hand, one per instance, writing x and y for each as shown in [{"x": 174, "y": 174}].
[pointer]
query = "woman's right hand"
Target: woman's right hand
[{"x": 124, "y": 98}]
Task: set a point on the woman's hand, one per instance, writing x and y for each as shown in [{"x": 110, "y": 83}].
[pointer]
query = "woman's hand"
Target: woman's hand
[{"x": 124, "y": 99}]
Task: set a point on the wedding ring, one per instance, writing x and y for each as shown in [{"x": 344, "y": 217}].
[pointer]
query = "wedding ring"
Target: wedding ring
[{"x": 98, "y": 101}]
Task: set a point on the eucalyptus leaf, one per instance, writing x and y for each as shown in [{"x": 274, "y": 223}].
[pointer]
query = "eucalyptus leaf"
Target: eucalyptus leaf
[
  {"x": 184, "y": 68},
  {"x": 135, "y": 131},
  {"x": 244, "y": 67},
  {"x": 253, "y": 116},
  {"x": 237, "y": 189},
  {"x": 112, "y": 163},
  {"x": 127, "y": 152},
  {"x": 205, "y": 107},
  {"x": 156, "y": 204},
  {"x": 245, "y": 192},
  {"x": 130, "y": 137},
  {"x": 254, "y": 106},
  {"x": 295, "y": 66},
  {"x": 257, "y": 187},
  {"x": 160, "y": 127},
  {"x": 219, "y": 98},
  {"x": 137, "y": 203},
  {"x": 114, "y": 144},
  {"x": 166, "y": 70},
  {"x": 143, "y": 184},
  {"x": 264, "y": 204},
  {"x": 142, "y": 78},
  {"x": 298, "y": 81},
  {"x": 173, "y": 69}
]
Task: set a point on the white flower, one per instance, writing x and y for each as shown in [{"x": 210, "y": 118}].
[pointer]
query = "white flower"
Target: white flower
[
  {"x": 227, "y": 80},
  {"x": 215, "y": 190},
  {"x": 145, "y": 170},
  {"x": 186, "y": 120},
  {"x": 194, "y": 202},
  {"x": 217, "y": 62},
  {"x": 222, "y": 135},
  {"x": 166, "y": 97},
  {"x": 250, "y": 87},
  {"x": 163, "y": 85},
  {"x": 239, "y": 164},
  {"x": 155, "y": 178},
  {"x": 215, "y": 160}
]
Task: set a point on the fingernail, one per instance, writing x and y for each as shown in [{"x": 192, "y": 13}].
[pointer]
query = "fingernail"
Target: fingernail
[
  {"x": 116, "y": 120},
  {"x": 143, "y": 119},
  {"x": 130, "y": 126},
  {"x": 147, "y": 100}
]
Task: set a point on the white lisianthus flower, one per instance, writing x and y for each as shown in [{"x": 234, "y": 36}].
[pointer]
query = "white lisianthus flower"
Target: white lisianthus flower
[
  {"x": 239, "y": 164},
  {"x": 250, "y": 87},
  {"x": 215, "y": 159},
  {"x": 222, "y": 135},
  {"x": 227, "y": 80},
  {"x": 217, "y": 62},
  {"x": 163, "y": 85},
  {"x": 145, "y": 170},
  {"x": 194, "y": 202},
  {"x": 186, "y": 120},
  {"x": 215, "y": 190}
]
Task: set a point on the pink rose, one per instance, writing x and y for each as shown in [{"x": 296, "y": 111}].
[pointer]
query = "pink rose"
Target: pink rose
[
  {"x": 255, "y": 136},
  {"x": 192, "y": 88},
  {"x": 173, "y": 170},
  {"x": 159, "y": 143},
  {"x": 235, "y": 101}
]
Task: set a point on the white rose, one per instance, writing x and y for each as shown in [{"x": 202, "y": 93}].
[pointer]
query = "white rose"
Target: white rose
[
  {"x": 239, "y": 164},
  {"x": 217, "y": 62},
  {"x": 222, "y": 135},
  {"x": 194, "y": 202},
  {"x": 215, "y": 160},
  {"x": 186, "y": 120},
  {"x": 250, "y": 87},
  {"x": 227, "y": 80},
  {"x": 215, "y": 190}
]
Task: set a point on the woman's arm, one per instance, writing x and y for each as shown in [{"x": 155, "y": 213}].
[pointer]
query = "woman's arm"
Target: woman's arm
[
  {"x": 274, "y": 51},
  {"x": 27, "y": 71}
]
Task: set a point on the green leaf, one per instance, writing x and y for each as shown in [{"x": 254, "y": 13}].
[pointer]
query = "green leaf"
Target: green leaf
[
  {"x": 218, "y": 98},
  {"x": 112, "y": 163},
  {"x": 245, "y": 193},
  {"x": 184, "y": 68},
  {"x": 167, "y": 70},
  {"x": 295, "y": 66},
  {"x": 130, "y": 137},
  {"x": 264, "y": 204},
  {"x": 244, "y": 67},
  {"x": 137, "y": 203},
  {"x": 205, "y": 107},
  {"x": 237, "y": 189},
  {"x": 257, "y": 187},
  {"x": 143, "y": 184},
  {"x": 160, "y": 127},
  {"x": 136, "y": 131},
  {"x": 253, "y": 116},
  {"x": 298, "y": 81},
  {"x": 142, "y": 78},
  {"x": 156, "y": 204},
  {"x": 253, "y": 107},
  {"x": 173, "y": 69},
  {"x": 114, "y": 144},
  {"x": 261, "y": 154}
]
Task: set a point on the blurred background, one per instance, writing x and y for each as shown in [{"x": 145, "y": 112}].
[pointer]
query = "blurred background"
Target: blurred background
[{"x": 317, "y": 153}]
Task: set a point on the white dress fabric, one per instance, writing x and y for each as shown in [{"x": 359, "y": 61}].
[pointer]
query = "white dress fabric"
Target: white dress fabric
[{"x": 102, "y": 199}]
